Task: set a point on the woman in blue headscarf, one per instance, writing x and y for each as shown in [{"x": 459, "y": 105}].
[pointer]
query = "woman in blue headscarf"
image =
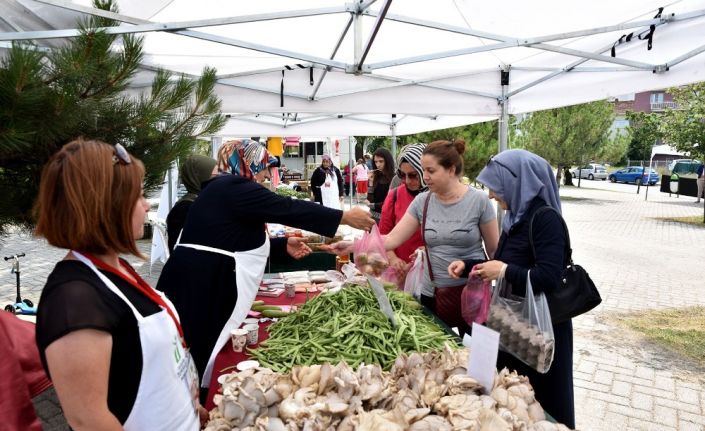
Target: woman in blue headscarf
[
  {"x": 522, "y": 182},
  {"x": 215, "y": 270}
]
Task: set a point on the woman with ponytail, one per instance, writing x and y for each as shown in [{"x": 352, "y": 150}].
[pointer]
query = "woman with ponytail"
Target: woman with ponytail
[{"x": 455, "y": 221}]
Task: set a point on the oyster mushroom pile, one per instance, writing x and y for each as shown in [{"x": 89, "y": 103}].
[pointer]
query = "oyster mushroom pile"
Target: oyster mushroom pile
[{"x": 422, "y": 392}]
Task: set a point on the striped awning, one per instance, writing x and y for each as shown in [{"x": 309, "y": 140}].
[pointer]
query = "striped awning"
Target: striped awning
[{"x": 292, "y": 141}]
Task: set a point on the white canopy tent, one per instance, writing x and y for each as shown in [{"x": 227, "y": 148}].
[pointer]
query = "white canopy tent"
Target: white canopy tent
[{"x": 332, "y": 67}]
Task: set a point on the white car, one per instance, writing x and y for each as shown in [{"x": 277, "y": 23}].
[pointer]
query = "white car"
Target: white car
[{"x": 591, "y": 172}]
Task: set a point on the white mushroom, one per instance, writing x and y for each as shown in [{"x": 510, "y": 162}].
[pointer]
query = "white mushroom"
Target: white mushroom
[
  {"x": 431, "y": 423},
  {"x": 489, "y": 420},
  {"x": 233, "y": 411}
]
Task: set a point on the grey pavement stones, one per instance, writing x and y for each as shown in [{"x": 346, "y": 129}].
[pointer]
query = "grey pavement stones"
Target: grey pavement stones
[{"x": 637, "y": 261}]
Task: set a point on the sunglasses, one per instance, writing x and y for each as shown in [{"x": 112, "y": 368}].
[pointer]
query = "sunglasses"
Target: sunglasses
[
  {"x": 404, "y": 175},
  {"x": 491, "y": 159},
  {"x": 121, "y": 155}
]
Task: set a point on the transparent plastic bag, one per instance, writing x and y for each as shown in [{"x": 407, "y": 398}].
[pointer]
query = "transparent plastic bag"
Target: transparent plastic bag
[
  {"x": 524, "y": 325},
  {"x": 475, "y": 299},
  {"x": 390, "y": 277},
  {"x": 416, "y": 275},
  {"x": 370, "y": 255}
]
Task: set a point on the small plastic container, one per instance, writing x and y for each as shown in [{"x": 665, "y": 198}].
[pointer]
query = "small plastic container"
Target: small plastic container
[
  {"x": 238, "y": 338},
  {"x": 252, "y": 334}
]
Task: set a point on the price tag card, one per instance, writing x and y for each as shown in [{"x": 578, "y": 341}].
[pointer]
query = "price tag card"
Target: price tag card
[
  {"x": 382, "y": 299},
  {"x": 482, "y": 364}
]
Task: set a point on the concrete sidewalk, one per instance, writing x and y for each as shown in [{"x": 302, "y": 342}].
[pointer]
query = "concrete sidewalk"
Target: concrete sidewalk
[{"x": 637, "y": 261}]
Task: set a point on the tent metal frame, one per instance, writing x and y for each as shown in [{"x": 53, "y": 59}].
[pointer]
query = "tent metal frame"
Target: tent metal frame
[{"x": 359, "y": 9}]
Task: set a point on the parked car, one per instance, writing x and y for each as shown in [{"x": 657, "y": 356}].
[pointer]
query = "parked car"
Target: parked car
[
  {"x": 685, "y": 168},
  {"x": 591, "y": 172},
  {"x": 636, "y": 175}
]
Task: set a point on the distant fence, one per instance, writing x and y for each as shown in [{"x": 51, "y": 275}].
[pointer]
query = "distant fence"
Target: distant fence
[{"x": 656, "y": 164}]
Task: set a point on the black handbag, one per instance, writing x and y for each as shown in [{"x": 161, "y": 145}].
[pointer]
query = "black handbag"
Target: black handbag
[{"x": 577, "y": 293}]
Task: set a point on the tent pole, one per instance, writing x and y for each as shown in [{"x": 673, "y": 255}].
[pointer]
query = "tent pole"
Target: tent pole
[
  {"x": 503, "y": 126},
  {"x": 504, "y": 113},
  {"x": 648, "y": 176},
  {"x": 357, "y": 37},
  {"x": 171, "y": 203},
  {"x": 394, "y": 136},
  {"x": 351, "y": 156}
]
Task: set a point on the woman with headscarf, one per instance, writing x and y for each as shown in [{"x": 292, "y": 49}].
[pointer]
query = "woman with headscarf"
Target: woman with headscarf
[
  {"x": 457, "y": 221},
  {"x": 214, "y": 273},
  {"x": 194, "y": 171},
  {"x": 522, "y": 182},
  {"x": 398, "y": 202},
  {"x": 327, "y": 184},
  {"x": 382, "y": 177}
]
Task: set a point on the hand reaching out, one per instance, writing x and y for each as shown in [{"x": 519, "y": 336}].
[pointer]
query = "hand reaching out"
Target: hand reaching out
[
  {"x": 398, "y": 264},
  {"x": 297, "y": 247},
  {"x": 358, "y": 218},
  {"x": 340, "y": 248}
]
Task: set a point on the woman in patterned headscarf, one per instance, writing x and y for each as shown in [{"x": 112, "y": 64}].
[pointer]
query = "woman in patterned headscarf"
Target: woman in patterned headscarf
[
  {"x": 397, "y": 202},
  {"x": 226, "y": 224},
  {"x": 245, "y": 158}
]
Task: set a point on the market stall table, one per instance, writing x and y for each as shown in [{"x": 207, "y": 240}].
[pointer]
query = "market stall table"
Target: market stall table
[{"x": 227, "y": 359}]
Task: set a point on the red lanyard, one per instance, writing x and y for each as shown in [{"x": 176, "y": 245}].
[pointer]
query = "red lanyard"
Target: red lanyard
[{"x": 141, "y": 285}]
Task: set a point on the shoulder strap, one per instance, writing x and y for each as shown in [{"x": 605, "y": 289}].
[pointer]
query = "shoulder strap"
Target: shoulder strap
[
  {"x": 394, "y": 205},
  {"x": 568, "y": 249},
  {"x": 423, "y": 234}
]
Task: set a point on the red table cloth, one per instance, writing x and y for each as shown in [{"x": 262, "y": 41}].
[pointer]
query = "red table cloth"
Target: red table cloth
[{"x": 226, "y": 360}]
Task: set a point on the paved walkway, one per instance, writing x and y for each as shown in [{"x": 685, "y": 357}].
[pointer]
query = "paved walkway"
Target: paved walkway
[{"x": 638, "y": 262}]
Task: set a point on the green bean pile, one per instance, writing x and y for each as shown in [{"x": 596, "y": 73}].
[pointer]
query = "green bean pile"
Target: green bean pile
[{"x": 349, "y": 326}]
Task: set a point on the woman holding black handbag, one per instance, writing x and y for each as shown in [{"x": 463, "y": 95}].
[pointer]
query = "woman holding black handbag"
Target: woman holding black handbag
[{"x": 522, "y": 183}]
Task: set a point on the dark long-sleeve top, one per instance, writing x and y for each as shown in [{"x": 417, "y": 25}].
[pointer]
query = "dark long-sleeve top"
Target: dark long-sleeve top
[
  {"x": 229, "y": 214},
  {"x": 318, "y": 178},
  {"x": 175, "y": 222},
  {"x": 514, "y": 249},
  {"x": 554, "y": 390},
  {"x": 378, "y": 192}
]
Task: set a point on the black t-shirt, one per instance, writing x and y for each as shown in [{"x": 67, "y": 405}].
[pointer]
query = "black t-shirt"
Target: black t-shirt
[{"x": 74, "y": 298}]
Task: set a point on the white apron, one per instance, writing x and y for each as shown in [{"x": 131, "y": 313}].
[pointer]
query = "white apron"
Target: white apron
[
  {"x": 330, "y": 195},
  {"x": 165, "y": 394},
  {"x": 249, "y": 269}
]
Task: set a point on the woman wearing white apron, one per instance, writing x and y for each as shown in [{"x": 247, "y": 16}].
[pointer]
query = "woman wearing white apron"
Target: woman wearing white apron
[
  {"x": 327, "y": 184},
  {"x": 111, "y": 344},
  {"x": 214, "y": 273}
]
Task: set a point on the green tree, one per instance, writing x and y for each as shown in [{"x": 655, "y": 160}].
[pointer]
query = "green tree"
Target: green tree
[
  {"x": 480, "y": 143},
  {"x": 684, "y": 127},
  {"x": 567, "y": 136},
  {"x": 616, "y": 148},
  {"x": 49, "y": 98},
  {"x": 644, "y": 129}
]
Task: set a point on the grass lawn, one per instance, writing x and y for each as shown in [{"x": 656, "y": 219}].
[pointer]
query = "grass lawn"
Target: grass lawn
[
  {"x": 678, "y": 329},
  {"x": 694, "y": 220}
]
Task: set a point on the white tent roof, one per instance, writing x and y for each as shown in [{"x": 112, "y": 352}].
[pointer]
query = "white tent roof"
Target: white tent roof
[
  {"x": 434, "y": 64},
  {"x": 665, "y": 150}
]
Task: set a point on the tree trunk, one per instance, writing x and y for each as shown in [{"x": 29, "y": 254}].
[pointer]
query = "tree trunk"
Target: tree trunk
[
  {"x": 568, "y": 181},
  {"x": 568, "y": 176}
]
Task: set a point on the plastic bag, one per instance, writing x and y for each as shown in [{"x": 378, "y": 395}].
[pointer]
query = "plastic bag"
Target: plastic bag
[
  {"x": 370, "y": 255},
  {"x": 389, "y": 277},
  {"x": 415, "y": 277},
  {"x": 524, "y": 325},
  {"x": 475, "y": 299}
]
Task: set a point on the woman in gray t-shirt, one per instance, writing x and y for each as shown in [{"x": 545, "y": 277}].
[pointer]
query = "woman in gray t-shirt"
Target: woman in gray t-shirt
[{"x": 459, "y": 220}]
